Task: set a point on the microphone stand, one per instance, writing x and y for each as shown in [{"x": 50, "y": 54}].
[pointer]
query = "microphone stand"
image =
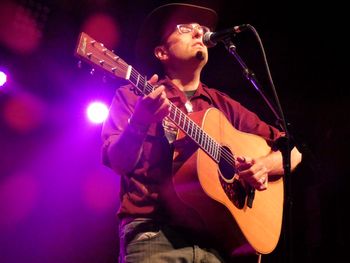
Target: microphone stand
[{"x": 284, "y": 143}]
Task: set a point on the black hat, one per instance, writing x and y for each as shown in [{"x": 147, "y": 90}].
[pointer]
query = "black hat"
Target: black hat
[{"x": 162, "y": 19}]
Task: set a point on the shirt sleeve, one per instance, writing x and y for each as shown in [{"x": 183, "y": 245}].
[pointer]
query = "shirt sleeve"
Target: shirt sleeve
[{"x": 120, "y": 110}]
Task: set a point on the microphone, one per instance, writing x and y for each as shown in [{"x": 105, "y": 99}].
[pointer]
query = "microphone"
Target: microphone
[{"x": 210, "y": 39}]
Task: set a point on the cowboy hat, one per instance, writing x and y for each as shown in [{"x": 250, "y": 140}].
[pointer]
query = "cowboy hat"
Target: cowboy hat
[{"x": 159, "y": 23}]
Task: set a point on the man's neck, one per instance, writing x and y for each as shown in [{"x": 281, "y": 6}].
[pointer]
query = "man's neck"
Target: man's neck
[
  {"x": 186, "y": 85},
  {"x": 185, "y": 80}
]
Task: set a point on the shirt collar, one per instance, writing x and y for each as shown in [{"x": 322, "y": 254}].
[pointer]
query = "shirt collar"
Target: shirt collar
[{"x": 174, "y": 90}]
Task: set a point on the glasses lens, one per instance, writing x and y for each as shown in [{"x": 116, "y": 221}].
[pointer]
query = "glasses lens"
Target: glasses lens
[
  {"x": 188, "y": 28},
  {"x": 184, "y": 28}
]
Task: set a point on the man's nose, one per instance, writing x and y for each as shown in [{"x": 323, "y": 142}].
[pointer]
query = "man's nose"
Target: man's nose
[{"x": 197, "y": 32}]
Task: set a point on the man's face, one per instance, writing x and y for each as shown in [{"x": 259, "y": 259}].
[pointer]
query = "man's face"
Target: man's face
[{"x": 185, "y": 43}]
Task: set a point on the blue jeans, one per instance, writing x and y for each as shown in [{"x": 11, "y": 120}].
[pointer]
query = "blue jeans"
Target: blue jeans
[{"x": 143, "y": 241}]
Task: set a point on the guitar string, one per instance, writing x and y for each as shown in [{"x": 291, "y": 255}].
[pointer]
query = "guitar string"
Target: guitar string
[{"x": 225, "y": 154}]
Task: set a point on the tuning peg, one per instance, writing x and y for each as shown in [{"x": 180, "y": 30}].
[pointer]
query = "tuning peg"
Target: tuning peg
[{"x": 92, "y": 71}]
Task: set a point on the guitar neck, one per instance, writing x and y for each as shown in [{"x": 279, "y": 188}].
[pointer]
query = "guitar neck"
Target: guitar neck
[
  {"x": 97, "y": 54},
  {"x": 180, "y": 119}
]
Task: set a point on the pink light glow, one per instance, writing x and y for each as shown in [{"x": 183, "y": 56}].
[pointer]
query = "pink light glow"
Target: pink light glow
[
  {"x": 18, "y": 196},
  {"x": 100, "y": 191},
  {"x": 97, "y": 112}
]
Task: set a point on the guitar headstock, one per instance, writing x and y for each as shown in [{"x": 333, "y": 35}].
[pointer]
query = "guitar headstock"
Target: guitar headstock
[{"x": 97, "y": 54}]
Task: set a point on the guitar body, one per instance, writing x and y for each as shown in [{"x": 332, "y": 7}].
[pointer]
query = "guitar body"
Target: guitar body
[{"x": 199, "y": 184}]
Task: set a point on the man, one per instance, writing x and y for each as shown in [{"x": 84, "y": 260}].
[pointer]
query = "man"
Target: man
[{"x": 140, "y": 139}]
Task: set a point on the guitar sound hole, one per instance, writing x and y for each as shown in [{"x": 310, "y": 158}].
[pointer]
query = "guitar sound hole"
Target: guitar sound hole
[
  {"x": 226, "y": 165},
  {"x": 232, "y": 187}
]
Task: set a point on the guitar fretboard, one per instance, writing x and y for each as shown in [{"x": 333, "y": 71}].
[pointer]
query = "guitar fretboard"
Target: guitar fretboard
[{"x": 180, "y": 119}]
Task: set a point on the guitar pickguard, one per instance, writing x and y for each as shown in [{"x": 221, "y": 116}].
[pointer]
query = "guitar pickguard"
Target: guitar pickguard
[{"x": 233, "y": 188}]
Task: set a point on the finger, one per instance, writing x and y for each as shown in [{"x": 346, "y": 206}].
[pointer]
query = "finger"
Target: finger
[
  {"x": 262, "y": 187},
  {"x": 163, "y": 111},
  {"x": 160, "y": 99},
  {"x": 153, "y": 79},
  {"x": 244, "y": 159},
  {"x": 240, "y": 159},
  {"x": 243, "y": 167},
  {"x": 154, "y": 96},
  {"x": 157, "y": 92},
  {"x": 252, "y": 176},
  {"x": 261, "y": 182},
  {"x": 154, "y": 104}
]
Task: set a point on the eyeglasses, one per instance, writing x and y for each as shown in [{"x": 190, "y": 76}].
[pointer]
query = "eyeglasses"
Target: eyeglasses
[{"x": 188, "y": 28}]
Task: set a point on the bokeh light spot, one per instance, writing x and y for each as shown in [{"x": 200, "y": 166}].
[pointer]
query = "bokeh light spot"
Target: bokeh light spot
[
  {"x": 3, "y": 78},
  {"x": 19, "y": 30},
  {"x": 103, "y": 28},
  {"x": 24, "y": 112},
  {"x": 97, "y": 112}
]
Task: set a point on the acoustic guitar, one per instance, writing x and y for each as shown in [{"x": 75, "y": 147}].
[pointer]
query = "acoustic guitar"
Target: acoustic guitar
[{"x": 206, "y": 183}]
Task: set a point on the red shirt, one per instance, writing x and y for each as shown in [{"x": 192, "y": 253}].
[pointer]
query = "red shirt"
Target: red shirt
[{"x": 140, "y": 189}]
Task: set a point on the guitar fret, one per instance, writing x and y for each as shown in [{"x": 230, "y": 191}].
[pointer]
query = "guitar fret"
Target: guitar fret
[
  {"x": 198, "y": 134},
  {"x": 210, "y": 147},
  {"x": 204, "y": 141},
  {"x": 174, "y": 115},
  {"x": 179, "y": 116},
  {"x": 138, "y": 79},
  {"x": 149, "y": 88},
  {"x": 184, "y": 123},
  {"x": 187, "y": 123},
  {"x": 208, "y": 144},
  {"x": 191, "y": 129},
  {"x": 144, "y": 85},
  {"x": 194, "y": 131},
  {"x": 182, "y": 118},
  {"x": 214, "y": 149},
  {"x": 132, "y": 78},
  {"x": 141, "y": 87},
  {"x": 218, "y": 148}
]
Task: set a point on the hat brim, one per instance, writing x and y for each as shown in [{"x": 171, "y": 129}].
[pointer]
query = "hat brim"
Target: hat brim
[{"x": 163, "y": 18}]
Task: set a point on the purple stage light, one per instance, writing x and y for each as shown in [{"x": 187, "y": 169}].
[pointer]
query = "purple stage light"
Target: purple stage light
[
  {"x": 97, "y": 112},
  {"x": 3, "y": 78}
]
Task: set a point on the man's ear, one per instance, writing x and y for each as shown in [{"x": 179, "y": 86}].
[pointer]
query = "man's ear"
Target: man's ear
[{"x": 161, "y": 53}]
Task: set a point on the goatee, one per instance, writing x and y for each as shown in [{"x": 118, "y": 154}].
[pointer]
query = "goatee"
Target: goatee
[{"x": 199, "y": 55}]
